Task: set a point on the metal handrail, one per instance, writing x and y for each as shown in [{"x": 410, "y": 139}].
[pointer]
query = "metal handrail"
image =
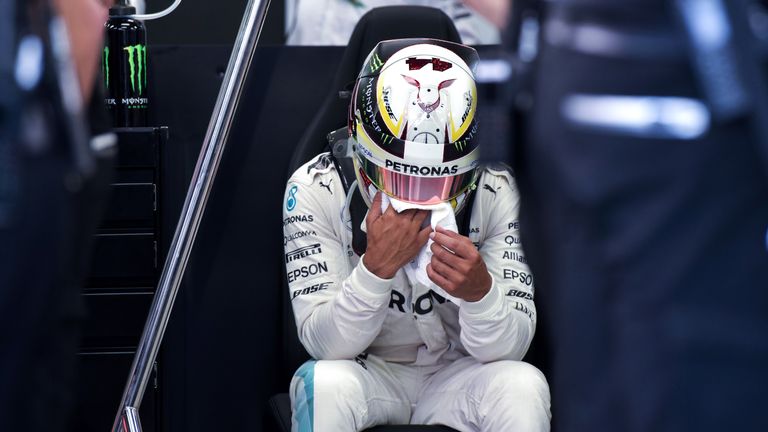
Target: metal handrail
[{"x": 192, "y": 213}]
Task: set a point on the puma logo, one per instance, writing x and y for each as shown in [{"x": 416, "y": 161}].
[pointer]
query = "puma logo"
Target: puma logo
[
  {"x": 327, "y": 186},
  {"x": 492, "y": 190}
]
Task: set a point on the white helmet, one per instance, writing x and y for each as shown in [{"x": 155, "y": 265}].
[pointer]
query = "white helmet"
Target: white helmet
[{"x": 412, "y": 119}]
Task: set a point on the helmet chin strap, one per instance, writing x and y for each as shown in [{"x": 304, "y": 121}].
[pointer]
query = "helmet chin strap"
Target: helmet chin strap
[{"x": 351, "y": 193}]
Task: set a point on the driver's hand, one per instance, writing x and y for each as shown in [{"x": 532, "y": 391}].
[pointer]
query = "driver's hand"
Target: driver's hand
[
  {"x": 457, "y": 266},
  {"x": 394, "y": 238}
]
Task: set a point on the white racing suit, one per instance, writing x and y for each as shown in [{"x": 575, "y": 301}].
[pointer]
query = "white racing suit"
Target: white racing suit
[{"x": 393, "y": 352}]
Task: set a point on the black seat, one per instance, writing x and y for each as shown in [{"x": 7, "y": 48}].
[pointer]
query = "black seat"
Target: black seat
[
  {"x": 281, "y": 406},
  {"x": 393, "y": 22}
]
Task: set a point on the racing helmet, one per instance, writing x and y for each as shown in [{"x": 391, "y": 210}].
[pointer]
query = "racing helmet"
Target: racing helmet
[{"x": 412, "y": 122}]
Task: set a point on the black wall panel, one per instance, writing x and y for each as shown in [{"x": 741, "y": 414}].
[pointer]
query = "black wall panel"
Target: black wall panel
[
  {"x": 123, "y": 260},
  {"x": 131, "y": 205},
  {"x": 222, "y": 356},
  {"x": 115, "y": 320}
]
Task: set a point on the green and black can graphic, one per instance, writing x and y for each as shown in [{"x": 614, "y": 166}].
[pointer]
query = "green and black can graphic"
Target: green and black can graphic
[{"x": 124, "y": 66}]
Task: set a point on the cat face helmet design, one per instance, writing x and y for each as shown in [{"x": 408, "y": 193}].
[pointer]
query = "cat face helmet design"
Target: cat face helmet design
[{"x": 412, "y": 122}]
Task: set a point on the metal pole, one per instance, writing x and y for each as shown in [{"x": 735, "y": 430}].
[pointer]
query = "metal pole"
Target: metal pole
[
  {"x": 130, "y": 420},
  {"x": 192, "y": 212}
]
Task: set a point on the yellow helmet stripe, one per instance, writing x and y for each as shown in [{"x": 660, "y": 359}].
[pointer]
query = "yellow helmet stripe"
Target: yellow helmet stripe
[
  {"x": 457, "y": 133},
  {"x": 396, "y": 128}
]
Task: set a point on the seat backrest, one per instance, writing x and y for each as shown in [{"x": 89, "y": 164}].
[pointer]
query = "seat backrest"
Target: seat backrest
[{"x": 392, "y": 22}]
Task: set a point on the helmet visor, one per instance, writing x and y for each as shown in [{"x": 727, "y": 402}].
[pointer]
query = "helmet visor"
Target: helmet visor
[
  {"x": 415, "y": 188},
  {"x": 414, "y": 172}
]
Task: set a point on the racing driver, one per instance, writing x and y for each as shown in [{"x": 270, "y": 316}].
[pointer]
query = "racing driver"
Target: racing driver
[{"x": 418, "y": 308}]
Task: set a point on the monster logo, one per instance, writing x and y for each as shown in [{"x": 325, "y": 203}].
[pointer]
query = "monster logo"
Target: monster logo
[
  {"x": 138, "y": 67},
  {"x": 105, "y": 64},
  {"x": 376, "y": 63}
]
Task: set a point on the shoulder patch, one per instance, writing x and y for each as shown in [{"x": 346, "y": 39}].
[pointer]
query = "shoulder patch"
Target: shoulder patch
[
  {"x": 498, "y": 170},
  {"x": 320, "y": 164}
]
